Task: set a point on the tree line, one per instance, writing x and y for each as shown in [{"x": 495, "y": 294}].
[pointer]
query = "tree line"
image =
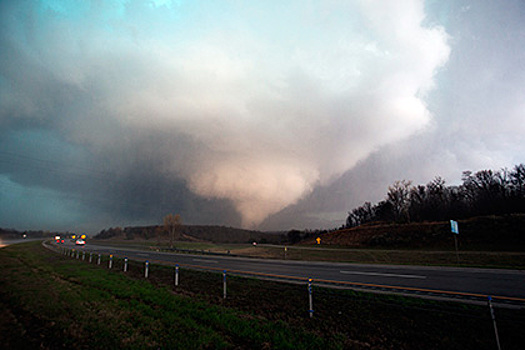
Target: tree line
[{"x": 485, "y": 192}]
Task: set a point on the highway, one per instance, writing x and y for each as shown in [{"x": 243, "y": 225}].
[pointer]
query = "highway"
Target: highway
[{"x": 455, "y": 282}]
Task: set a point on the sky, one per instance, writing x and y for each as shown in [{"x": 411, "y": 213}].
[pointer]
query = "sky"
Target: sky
[{"x": 266, "y": 115}]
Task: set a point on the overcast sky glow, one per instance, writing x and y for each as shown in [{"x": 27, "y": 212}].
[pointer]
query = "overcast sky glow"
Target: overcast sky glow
[{"x": 239, "y": 112}]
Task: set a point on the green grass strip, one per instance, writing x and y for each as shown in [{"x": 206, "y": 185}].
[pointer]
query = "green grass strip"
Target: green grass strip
[{"x": 64, "y": 303}]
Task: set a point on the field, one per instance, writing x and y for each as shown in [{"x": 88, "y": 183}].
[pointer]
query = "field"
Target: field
[{"x": 51, "y": 301}]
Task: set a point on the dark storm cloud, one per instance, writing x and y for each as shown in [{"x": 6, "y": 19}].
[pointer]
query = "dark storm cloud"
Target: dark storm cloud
[{"x": 121, "y": 112}]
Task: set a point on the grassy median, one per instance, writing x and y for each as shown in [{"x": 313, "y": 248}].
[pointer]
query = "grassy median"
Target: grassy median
[{"x": 51, "y": 301}]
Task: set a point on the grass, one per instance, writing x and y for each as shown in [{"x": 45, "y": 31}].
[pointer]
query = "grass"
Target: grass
[
  {"x": 51, "y": 301},
  {"x": 152, "y": 244},
  {"x": 487, "y": 259},
  {"x": 62, "y": 303}
]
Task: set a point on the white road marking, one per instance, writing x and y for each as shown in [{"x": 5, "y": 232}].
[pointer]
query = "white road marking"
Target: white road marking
[
  {"x": 208, "y": 261},
  {"x": 382, "y": 274}
]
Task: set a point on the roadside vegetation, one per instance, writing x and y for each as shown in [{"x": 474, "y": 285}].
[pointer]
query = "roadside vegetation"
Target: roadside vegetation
[{"x": 52, "y": 301}]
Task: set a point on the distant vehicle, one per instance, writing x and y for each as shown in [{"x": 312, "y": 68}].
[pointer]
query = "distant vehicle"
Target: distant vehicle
[{"x": 80, "y": 242}]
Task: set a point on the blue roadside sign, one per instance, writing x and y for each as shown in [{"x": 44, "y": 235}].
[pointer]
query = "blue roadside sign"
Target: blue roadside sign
[{"x": 454, "y": 227}]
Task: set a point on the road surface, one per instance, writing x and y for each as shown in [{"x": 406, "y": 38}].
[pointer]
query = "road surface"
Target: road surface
[{"x": 445, "y": 281}]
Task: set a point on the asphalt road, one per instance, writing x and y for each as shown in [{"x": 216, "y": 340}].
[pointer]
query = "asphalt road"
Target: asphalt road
[{"x": 493, "y": 282}]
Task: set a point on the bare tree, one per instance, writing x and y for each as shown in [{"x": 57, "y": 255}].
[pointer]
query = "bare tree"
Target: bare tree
[
  {"x": 172, "y": 224},
  {"x": 399, "y": 196},
  {"x": 517, "y": 178},
  {"x": 363, "y": 214},
  {"x": 482, "y": 193}
]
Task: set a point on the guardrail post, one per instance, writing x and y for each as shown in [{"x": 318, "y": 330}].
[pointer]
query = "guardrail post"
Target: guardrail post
[
  {"x": 224, "y": 284},
  {"x": 83, "y": 256},
  {"x": 176, "y": 274},
  {"x": 110, "y": 261},
  {"x": 99, "y": 258},
  {"x": 146, "y": 269},
  {"x": 125, "y": 264},
  {"x": 90, "y": 257},
  {"x": 78, "y": 254},
  {"x": 494, "y": 322},
  {"x": 310, "y": 299}
]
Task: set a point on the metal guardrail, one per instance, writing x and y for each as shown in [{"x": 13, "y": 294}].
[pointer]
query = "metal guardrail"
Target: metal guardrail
[
  {"x": 460, "y": 296},
  {"x": 370, "y": 287},
  {"x": 327, "y": 283}
]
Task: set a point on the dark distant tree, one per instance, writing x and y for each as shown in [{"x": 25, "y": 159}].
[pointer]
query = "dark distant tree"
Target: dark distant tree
[
  {"x": 418, "y": 203},
  {"x": 385, "y": 211},
  {"x": 353, "y": 219},
  {"x": 485, "y": 192},
  {"x": 294, "y": 236},
  {"x": 437, "y": 200},
  {"x": 361, "y": 215},
  {"x": 399, "y": 197},
  {"x": 172, "y": 224},
  {"x": 458, "y": 206},
  {"x": 517, "y": 179},
  {"x": 517, "y": 188},
  {"x": 367, "y": 212}
]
